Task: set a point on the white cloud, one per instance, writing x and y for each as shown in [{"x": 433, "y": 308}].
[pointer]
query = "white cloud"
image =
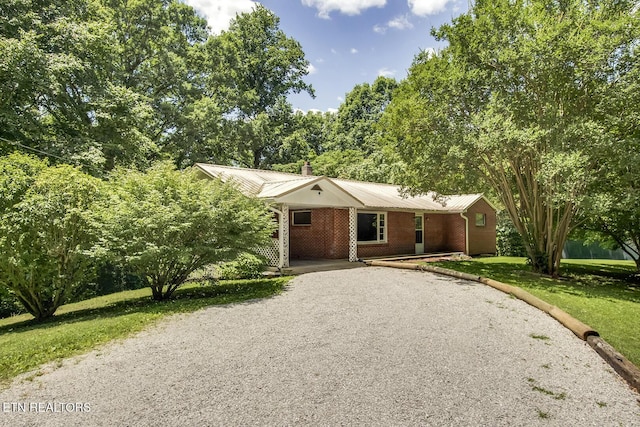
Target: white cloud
[
  {"x": 400, "y": 23},
  {"x": 219, "y": 13},
  {"x": 348, "y": 7},
  {"x": 385, "y": 72},
  {"x": 333, "y": 110},
  {"x": 427, "y": 7},
  {"x": 311, "y": 69},
  {"x": 340, "y": 99},
  {"x": 354, "y": 50}
]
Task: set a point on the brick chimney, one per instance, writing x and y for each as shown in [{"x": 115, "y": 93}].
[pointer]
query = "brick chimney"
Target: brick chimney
[{"x": 307, "y": 170}]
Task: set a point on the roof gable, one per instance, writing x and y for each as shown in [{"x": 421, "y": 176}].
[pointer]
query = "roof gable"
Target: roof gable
[{"x": 295, "y": 189}]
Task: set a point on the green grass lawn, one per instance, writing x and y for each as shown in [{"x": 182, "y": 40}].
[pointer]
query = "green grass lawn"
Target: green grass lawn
[
  {"x": 79, "y": 327},
  {"x": 604, "y": 294}
]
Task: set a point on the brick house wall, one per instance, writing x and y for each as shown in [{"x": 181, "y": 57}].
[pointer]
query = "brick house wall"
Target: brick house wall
[
  {"x": 456, "y": 229},
  {"x": 435, "y": 236},
  {"x": 326, "y": 237},
  {"x": 401, "y": 235},
  {"x": 482, "y": 239}
]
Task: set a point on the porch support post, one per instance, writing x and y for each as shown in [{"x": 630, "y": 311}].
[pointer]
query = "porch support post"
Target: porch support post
[
  {"x": 283, "y": 233},
  {"x": 353, "y": 235}
]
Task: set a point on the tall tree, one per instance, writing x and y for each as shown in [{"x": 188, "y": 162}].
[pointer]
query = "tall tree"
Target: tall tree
[
  {"x": 512, "y": 105},
  {"x": 612, "y": 208},
  {"x": 99, "y": 82},
  {"x": 253, "y": 66},
  {"x": 355, "y": 125}
]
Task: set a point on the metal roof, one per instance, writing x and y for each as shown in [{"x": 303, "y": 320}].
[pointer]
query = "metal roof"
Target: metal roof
[{"x": 272, "y": 184}]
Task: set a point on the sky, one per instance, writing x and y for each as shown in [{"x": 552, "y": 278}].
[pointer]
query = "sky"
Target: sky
[{"x": 347, "y": 42}]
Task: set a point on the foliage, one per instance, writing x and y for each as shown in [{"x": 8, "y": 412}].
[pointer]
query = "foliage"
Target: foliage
[
  {"x": 508, "y": 240},
  {"x": 245, "y": 266},
  {"x": 45, "y": 230},
  {"x": 513, "y": 104},
  {"x": 253, "y": 66},
  {"x": 97, "y": 82},
  {"x": 9, "y": 305},
  {"x": 164, "y": 224},
  {"x": 604, "y": 294},
  {"x": 82, "y": 326},
  {"x": 612, "y": 212},
  {"x": 355, "y": 125}
]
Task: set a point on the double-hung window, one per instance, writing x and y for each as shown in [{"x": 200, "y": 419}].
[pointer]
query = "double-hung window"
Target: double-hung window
[{"x": 372, "y": 227}]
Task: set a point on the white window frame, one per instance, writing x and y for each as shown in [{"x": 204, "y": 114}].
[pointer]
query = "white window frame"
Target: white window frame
[
  {"x": 384, "y": 229},
  {"x": 481, "y": 221},
  {"x": 293, "y": 218}
]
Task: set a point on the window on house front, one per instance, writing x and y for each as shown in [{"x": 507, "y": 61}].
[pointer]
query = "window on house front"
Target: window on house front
[
  {"x": 481, "y": 220},
  {"x": 302, "y": 218},
  {"x": 372, "y": 227}
]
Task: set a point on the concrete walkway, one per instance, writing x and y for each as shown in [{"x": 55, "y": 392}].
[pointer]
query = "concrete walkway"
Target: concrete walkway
[{"x": 368, "y": 346}]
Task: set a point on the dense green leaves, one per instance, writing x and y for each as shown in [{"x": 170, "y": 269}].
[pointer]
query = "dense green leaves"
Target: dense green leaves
[
  {"x": 513, "y": 105},
  {"x": 164, "y": 224},
  {"x": 46, "y": 229},
  {"x": 252, "y": 67}
]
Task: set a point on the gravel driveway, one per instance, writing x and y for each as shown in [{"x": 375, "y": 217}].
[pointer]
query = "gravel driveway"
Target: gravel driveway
[{"x": 369, "y": 346}]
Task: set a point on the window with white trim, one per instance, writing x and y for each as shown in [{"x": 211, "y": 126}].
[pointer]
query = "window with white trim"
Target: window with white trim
[
  {"x": 301, "y": 218},
  {"x": 372, "y": 227},
  {"x": 481, "y": 220}
]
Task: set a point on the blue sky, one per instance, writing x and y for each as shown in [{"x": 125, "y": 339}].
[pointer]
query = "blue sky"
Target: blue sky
[{"x": 347, "y": 42}]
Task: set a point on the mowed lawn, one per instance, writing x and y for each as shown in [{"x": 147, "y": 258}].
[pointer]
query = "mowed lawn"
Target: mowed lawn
[
  {"x": 79, "y": 327},
  {"x": 604, "y": 294}
]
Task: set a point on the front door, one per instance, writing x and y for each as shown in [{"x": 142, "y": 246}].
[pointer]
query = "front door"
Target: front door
[{"x": 419, "y": 233}]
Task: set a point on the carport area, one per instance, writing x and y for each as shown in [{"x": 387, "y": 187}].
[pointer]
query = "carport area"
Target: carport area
[{"x": 366, "y": 346}]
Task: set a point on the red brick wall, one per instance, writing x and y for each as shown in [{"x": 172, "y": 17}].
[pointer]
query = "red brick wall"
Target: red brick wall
[
  {"x": 326, "y": 237},
  {"x": 401, "y": 235},
  {"x": 482, "y": 240},
  {"x": 435, "y": 235},
  {"x": 328, "y": 234},
  {"x": 456, "y": 233}
]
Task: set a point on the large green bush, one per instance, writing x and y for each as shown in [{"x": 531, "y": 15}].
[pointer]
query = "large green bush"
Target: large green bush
[
  {"x": 164, "y": 224},
  {"x": 46, "y": 230}
]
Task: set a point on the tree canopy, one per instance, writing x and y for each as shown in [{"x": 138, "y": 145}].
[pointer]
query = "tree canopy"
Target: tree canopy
[{"x": 513, "y": 105}]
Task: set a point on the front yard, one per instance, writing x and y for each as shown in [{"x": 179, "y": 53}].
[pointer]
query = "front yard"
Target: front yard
[
  {"x": 604, "y": 294},
  {"x": 79, "y": 327}
]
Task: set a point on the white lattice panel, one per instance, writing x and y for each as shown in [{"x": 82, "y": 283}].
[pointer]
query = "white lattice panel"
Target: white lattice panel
[
  {"x": 270, "y": 252},
  {"x": 353, "y": 235}
]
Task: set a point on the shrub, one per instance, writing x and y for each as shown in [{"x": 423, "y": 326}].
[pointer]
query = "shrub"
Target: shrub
[
  {"x": 165, "y": 224},
  {"x": 508, "y": 240},
  {"x": 245, "y": 266},
  {"x": 46, "y": 230}
]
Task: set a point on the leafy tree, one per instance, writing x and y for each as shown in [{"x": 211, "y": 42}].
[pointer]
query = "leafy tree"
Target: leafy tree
[
  {"x": 355, "y": 125},
  {"x": 100, "y": 82},
  {"x": 252, "y": 67},
  {"x": 612, "y": 210},
  {"x": 46, "y": 229},
  {"x": 165, "y": 224},
  {"x": 512, "y": 105}
]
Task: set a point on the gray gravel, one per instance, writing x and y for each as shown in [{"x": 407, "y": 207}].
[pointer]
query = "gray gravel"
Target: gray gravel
[{"x": 369, "y": 346}]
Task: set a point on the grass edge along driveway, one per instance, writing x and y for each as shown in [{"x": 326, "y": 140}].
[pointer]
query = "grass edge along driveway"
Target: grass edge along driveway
[
  {"x": 79, "y": 327},
  {"x": 604, "y": 294}
]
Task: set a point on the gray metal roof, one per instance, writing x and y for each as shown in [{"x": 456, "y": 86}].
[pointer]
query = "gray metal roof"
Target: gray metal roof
[{"x": 271, "y": 185}]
